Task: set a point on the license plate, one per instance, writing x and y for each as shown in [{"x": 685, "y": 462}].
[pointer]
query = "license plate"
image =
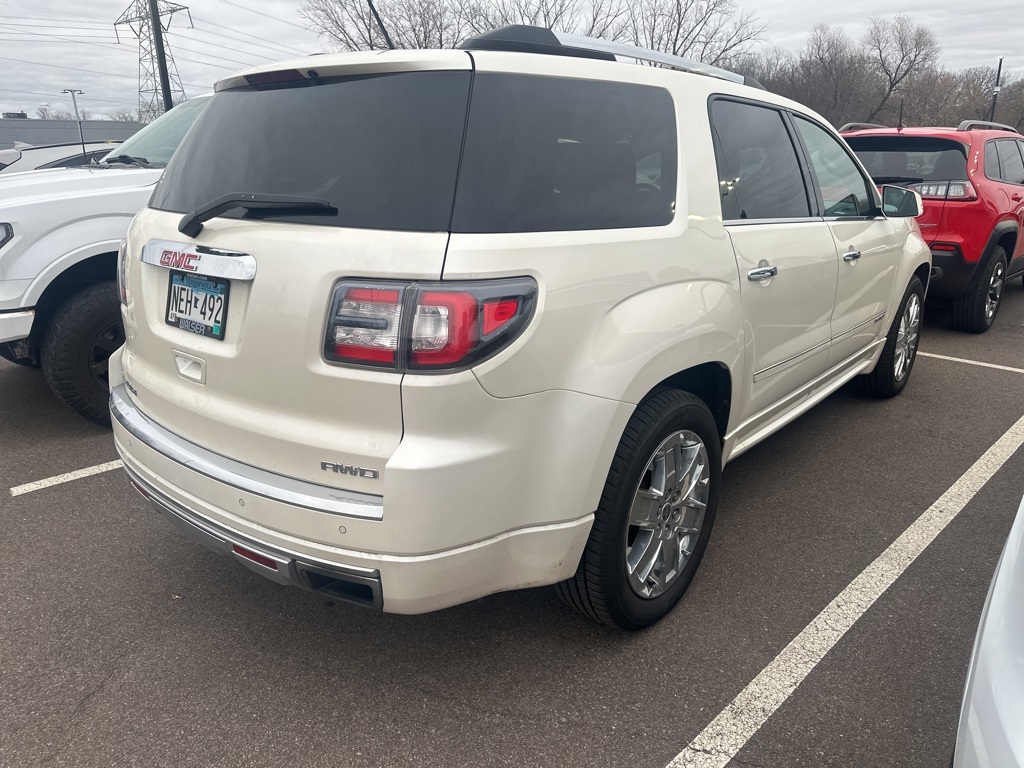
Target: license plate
[{"x": 197, "y": 304}]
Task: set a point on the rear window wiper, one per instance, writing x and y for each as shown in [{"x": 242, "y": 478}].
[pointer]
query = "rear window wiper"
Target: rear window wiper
[
  {"x": 191, "y": 224},
  {"x": 128, "y": 160}
]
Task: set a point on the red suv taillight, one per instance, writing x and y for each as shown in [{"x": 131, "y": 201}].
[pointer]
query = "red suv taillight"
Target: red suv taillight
[
  {"x": 425, "y": 326},
  {"x": 946, "y": 190}
]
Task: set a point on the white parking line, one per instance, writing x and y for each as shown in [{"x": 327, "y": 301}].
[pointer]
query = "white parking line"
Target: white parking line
[
  {"x": 724, "y": 736},
  {"x": 971, "y": 362},
  {"x": 67, "y": 477}
]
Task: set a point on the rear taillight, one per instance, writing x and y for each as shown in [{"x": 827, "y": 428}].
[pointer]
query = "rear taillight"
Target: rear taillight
[
  {"x": 425, "y": 326},
  {"x": 946, "y": 190},
  {"x": 122, "y": 283}
]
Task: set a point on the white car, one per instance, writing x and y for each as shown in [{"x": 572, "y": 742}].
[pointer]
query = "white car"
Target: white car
[
  {"x": 26, "y": 157},
  {"x": 409, "y": 348},
  {"x": 990, "y": 733},
  {"x": 59, "y": 235}
]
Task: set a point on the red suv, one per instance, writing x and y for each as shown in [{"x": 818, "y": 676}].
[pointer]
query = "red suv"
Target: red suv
[{"x": 972, "y": 182}]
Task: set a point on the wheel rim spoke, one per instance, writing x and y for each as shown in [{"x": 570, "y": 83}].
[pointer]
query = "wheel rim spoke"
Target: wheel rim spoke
[{"x": 667, "y": 513}]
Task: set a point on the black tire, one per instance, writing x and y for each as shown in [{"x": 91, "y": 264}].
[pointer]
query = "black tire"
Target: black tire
[
  {"x": 7, "y": 353},
  {"x": 601, "y": 587},
  {"x": 83, "y": 334},
  {"x": 889, "y": 376},
  {"x": 974, "y": 312}
]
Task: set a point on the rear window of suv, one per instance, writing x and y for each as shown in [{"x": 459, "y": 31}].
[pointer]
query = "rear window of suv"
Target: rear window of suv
[
  {"x": 910, "y": 159},
  {"x": 537, "y": 153}
]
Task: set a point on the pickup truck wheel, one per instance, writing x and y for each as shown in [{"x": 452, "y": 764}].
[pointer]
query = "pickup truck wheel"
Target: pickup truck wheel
[
  {"x": 892, "y": 372},
  {"x": 976, "y": 311},
  {"x": 655, "y": 515},
  {"x": 83, "y": 334}
]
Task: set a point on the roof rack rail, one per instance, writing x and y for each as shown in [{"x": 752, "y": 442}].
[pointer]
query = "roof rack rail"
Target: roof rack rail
[
  {"x": 970, "y": 125},
  {"x": 527, "y": 39},
  {"x": 860, "y": 126}
]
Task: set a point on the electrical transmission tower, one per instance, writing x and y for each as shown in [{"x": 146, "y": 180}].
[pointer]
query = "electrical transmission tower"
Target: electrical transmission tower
[{"x": 159, "y": 83}]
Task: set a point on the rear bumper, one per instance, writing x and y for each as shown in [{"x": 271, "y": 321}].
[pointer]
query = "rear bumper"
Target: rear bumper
[
  {"x": 175, "y": 476},
  {"x": 959, "y": 276}
]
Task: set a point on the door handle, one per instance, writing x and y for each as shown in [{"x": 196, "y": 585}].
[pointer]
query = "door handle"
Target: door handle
[
  {"x": 762, "y": 273},
  {"x": 851, "y": 255},
  {"x": 1015, "y": 197}
]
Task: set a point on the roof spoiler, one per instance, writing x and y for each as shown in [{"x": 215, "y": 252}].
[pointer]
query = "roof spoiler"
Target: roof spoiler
[{"x": 522, "y": 38}]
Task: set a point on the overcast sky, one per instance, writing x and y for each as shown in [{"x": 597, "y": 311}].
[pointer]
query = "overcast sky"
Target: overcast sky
[{"x": 49, "y": 45}]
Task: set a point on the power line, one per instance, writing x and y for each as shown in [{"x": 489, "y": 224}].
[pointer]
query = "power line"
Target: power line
[
  {"x": 229, "y": 48},
  {"x": 90, "y": 71},
  {"x": 232, "y": 33},
  {"x": 265, "y": 15},
  {"x": 53, "y": 95}
]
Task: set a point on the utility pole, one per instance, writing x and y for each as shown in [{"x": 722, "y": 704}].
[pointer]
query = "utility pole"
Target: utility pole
[
  {"x": 995, "y": 91},
  {"x": 78, "y": 117},
  {"x": 159, "y": 82}
]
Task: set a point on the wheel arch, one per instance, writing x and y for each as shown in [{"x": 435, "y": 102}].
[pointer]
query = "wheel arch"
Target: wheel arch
[
  {"x": 97, "y": 268},
  {"x": 712, "y": 383}
]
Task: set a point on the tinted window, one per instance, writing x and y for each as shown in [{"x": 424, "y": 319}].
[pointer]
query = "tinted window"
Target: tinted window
[
  {"x": 561, "y": 154},
  {"x": 991, "y": 161},
  {"x": 758, "y": 172},
  {"x": 910, "y": 159},
  {"x": 844, "y": 190},
  {"x": 382, "y": 149},
  {"x": 1010, "y": 160}
]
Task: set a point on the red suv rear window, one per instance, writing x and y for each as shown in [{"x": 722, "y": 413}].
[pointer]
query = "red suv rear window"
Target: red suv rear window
[{"x": 910, "y": 159}]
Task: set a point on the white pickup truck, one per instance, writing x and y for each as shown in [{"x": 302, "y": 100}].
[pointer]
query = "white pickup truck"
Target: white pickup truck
[{"x": 59, "y": 235}]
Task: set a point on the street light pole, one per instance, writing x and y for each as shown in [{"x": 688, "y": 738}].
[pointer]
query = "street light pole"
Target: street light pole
[
  {"x": 995, "y": 91},
  {"x": 78, "y": 117}
]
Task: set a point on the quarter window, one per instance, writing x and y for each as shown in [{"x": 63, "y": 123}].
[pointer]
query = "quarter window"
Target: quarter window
[
  {"x": 844, "y": 190},
  {"x": 992, "y": 161},
  {"x": 758, "y": 171},
  {"x": 1010, "y": 160}
]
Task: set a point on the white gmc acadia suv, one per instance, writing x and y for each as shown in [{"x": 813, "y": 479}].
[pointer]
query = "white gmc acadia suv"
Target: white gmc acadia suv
[
  {"x": 59, "y": 236},
  {"x": 497, "y": 316}
]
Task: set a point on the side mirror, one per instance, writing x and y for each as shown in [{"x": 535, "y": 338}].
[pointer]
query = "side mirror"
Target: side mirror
[{"x": 900, "y": 202}]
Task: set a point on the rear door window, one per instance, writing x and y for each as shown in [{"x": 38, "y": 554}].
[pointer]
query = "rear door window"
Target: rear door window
[
  {"x": 1011, "y": 161},
  {"x": 759, "y": 174},
  {"x": 549, "y": 154}
]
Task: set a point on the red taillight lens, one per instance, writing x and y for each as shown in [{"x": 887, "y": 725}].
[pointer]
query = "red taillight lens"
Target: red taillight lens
[
  {"x": 364, "y": 324},
  {"x": 946, "y": 190},
  {"x": 426, "y": 326}
]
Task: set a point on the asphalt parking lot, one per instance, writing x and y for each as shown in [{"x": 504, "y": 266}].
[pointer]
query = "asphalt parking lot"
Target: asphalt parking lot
[{"x": 123, "y": 643}]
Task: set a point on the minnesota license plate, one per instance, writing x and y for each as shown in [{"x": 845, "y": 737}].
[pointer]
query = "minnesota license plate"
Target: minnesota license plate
[{"x": 197, "y": 304}]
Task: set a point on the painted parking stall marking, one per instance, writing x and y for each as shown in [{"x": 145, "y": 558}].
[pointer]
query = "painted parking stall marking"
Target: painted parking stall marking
[
  {"x": 970, "y": 362},
  {"x": 724, "y": 736},
  {"x": 67, "y": 477}
]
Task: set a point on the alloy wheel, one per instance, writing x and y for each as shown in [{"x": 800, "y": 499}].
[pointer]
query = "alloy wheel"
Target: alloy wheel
[
  {"x": 906, "y": 337},
  {"x": 667, "y": 513},
  {"x": 995, "y": 290}
]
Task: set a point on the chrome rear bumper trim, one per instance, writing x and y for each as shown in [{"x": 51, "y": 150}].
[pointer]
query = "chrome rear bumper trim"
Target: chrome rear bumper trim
[
  {"x": 290, "y": 568},
  {"x": 260, "y": 482}
]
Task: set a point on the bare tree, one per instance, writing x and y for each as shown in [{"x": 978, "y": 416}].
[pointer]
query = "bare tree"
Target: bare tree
[
  {"x": 123, "y": 116},
  {"x": 713, "y": 31},
  {"x": 46, "y": 112},
  {"x": 899, "y": 50}
]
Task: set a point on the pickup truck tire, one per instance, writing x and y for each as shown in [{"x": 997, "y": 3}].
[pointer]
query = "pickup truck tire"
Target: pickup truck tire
[
  {"x": 976, "y": 311},
  {"x": 654, "y": 519},
  {"x": 892, "y": 372},
  {"x": 81, "y": 337}
]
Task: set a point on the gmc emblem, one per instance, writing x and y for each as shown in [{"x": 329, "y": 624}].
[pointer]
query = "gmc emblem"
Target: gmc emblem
[
  {"x": 179, "y": 260},
  {"x": 348, "y": 469}
]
